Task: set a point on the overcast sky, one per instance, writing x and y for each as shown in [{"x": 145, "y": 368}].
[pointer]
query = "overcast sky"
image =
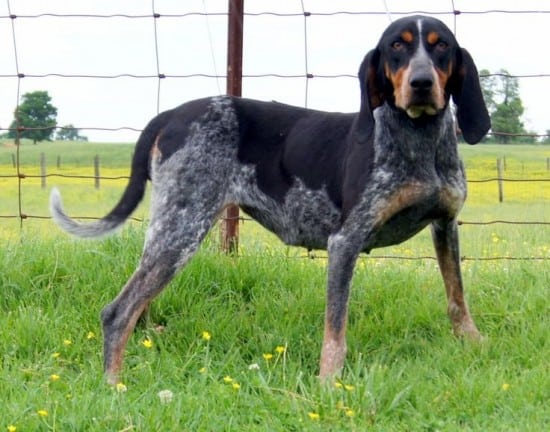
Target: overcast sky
[{"x": 196, "y": 44}]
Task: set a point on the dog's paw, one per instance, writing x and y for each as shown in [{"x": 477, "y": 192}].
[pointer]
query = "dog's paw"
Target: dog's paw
[{"x": 467, "y": 330}]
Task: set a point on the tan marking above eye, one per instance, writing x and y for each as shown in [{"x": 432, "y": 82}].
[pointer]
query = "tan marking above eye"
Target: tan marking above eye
[
  {"x": 407, "y": 36},
  {"x": 433, "y": 38}
]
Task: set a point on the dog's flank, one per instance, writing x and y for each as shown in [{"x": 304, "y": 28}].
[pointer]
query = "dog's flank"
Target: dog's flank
[{"x": 347, "y": 183}]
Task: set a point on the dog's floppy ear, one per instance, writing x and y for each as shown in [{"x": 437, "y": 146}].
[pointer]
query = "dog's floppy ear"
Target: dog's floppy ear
[
  {"x": 371, "y": 95},
  {"x": 473, "y": 118}
]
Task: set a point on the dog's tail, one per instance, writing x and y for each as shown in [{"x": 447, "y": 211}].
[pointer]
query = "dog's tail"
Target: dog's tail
[{"x": 132, "y": 196}]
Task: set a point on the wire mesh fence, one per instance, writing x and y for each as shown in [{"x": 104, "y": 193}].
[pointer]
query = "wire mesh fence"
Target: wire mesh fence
[{"x": 520, "y": 182}]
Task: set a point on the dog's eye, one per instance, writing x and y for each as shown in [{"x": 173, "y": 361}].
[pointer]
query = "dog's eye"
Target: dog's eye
[
  {"x": 441, "y": 46},
  {"x": 397, "y": 46}
]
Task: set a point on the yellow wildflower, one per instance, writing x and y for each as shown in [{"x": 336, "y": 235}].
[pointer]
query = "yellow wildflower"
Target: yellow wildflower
[
  {"x": 236, "y": 386},
  {"x": 505, "y": 387},
  {"x": 206, "y": 335},
  {"x": 121, "y": 387},
  {"x": 202, "y": 370},
  {"x": 280, "y": 349},
  {"x": 67, "y": 342},
  {"x": 227, "y": 379},
  {"x": 42, "y": 413},
  {"x": 340, "y": 385},
  {"x": 268, "y": 356},
  {"x": 349, "y": 413},
  {"x": 12, "y": 428},
  {"x": 56, "y": 355},
  {"x": 54, "y": 377},
  {"x": 147, "y": 343},
  {"x": 313, "y": 416},
  {"x": 90, "y": 335}
]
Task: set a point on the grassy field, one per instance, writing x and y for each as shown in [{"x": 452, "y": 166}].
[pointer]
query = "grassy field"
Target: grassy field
[{"x": 233, "y": 343}]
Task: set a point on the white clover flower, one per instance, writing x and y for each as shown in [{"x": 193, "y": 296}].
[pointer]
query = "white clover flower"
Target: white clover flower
[{"x": 165, "y": 396}]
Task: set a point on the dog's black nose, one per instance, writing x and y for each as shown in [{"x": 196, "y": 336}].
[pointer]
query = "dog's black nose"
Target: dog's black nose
[{"x": 422, "y": 81}]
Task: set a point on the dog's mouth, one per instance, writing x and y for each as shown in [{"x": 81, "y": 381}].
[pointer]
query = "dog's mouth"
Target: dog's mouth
[
  {"x": 416, "y": 111},
  {"x": 421, "y": 103}
]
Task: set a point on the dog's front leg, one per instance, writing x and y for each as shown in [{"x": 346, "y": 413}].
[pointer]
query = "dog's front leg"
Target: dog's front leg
[
  {"x": 342, "y": 256},
  {"x": 445, "y": 238}
]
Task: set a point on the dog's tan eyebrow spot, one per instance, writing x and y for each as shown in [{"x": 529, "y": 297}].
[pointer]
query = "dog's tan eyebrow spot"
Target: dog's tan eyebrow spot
[
  {"x": 407, "y": 36},
  {"x": 432, "y": 38}
]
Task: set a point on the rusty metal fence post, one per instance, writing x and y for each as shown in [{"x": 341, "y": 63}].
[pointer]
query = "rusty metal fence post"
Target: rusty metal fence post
[{"x": 229, "y": 230}]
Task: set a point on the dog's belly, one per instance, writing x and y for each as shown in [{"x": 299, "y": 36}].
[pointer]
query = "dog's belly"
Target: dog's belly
[
  {"x": 306, "y": 217},
  {"x": 402, "y": 227}
]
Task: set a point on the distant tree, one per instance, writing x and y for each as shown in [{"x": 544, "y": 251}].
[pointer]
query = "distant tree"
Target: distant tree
[
  {"x": 36, "y": 115},
  {"x": 69, "y": 133},
  {"x": 501, "y": 93},
  {"x": 488, "y": 88}
]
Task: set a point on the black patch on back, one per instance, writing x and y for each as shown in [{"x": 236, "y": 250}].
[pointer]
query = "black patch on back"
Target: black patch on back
[{"x": 286, "y": 142}]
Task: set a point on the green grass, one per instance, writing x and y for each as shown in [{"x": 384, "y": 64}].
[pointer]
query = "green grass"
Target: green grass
[{"x": 404, "y": 370}]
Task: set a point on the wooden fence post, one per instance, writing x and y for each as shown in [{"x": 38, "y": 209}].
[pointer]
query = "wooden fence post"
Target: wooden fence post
[
  {"x": 96, "y": 171},
  {"x": 43, "y": 170},
  {"x": 499, "y": 180},
  {"x": 13, "y": 160}
]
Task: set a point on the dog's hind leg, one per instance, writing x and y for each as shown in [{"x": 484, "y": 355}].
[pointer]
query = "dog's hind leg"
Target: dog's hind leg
[
  {"x": 119, "y": 317},
  {"x": 445, "y": 238},
  {"x": 179, "y": 223}
]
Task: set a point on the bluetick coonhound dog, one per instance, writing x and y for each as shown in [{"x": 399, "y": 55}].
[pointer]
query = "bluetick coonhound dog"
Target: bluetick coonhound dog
[{"x": 347, "y": 183}]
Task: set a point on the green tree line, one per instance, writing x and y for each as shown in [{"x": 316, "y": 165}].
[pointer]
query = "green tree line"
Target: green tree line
[
  {"x": 36, "y": 119},
  {"x": 502, "y": 97}
]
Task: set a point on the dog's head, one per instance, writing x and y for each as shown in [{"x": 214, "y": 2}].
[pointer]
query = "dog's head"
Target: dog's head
[{"x": 416, "y": 67}]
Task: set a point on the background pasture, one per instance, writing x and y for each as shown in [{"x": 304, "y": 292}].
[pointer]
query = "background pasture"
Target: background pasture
[{"x": 236, "y": 339}]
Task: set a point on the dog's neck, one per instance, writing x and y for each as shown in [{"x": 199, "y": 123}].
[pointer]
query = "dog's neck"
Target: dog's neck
[{"x": 413, "y": 139}]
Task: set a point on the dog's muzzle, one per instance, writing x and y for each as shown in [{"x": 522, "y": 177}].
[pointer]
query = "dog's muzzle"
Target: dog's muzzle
[{"x": 422, "y": 83}]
